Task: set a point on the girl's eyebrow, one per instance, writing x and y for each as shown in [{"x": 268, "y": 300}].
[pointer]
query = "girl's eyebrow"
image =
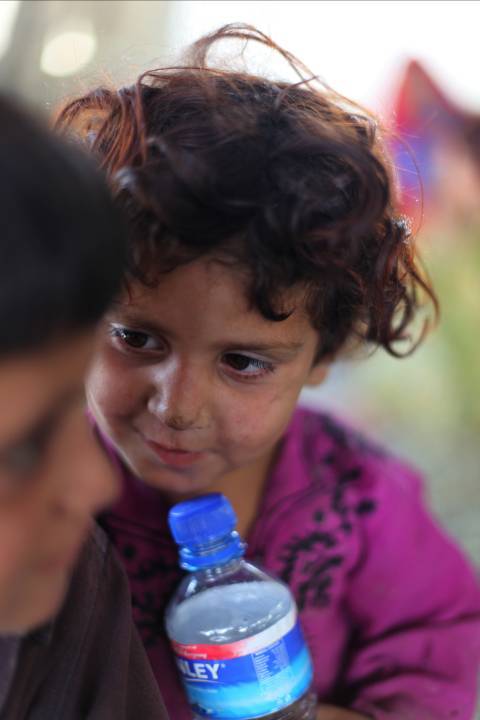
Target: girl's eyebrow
[
  {"x": 280, "y": 346},
  {"x": 118, "y": 314},
  {"x": 46, "y": 422}
]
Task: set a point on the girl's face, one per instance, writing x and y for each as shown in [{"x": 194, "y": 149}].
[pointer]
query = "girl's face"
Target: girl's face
[
  {"x": 53, "y": 478},
  {"x": 192, "y": 384}
]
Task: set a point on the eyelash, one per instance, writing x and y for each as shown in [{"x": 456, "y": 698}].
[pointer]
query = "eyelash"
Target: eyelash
[
  {"x": 122, "y": 333},
  {"x": 263, "y": 367}
]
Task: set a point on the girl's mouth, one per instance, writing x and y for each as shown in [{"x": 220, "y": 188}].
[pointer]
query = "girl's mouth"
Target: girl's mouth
[{"x": 173, "y": 456}]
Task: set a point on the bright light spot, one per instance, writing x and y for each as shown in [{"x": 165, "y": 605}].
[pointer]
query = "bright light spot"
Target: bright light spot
[
  {"x": 68, "y": 52},
  {"x": 8, "y": 14}
]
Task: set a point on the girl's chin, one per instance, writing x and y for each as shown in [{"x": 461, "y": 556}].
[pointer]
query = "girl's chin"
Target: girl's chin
[{"x": 177, "y": 485}]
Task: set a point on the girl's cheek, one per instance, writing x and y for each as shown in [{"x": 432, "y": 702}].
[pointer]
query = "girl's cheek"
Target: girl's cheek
[
  {"x": 257, "y": 423},
  {"x": 112, "y": 386}
]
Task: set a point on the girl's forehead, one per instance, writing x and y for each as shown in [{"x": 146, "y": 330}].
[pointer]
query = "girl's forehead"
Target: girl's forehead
[
  {"x": 203, "y": 275},
  {"x": 205, "y": 282}
]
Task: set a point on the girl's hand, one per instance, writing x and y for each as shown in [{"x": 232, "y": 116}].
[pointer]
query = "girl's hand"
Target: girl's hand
[{"x": 329, "y": 712}]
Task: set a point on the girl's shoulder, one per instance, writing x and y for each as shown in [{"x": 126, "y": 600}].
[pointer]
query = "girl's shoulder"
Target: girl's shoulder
[
  {"x": 321, "y": 453},
  {"x": 327, "y": 440},
  {"x": 330, "y": 489}
]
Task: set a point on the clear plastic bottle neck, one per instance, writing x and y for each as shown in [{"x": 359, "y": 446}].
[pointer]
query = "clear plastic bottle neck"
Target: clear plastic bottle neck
[
  {"x": 212, "y": 555},
  {"x": 213, "y": 574}
]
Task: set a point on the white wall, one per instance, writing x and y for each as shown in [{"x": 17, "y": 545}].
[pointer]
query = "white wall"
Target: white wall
[{"x": 356, "y": 45}]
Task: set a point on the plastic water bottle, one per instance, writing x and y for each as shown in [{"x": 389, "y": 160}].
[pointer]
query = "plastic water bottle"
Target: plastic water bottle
[{"x": 234, "y": 628}]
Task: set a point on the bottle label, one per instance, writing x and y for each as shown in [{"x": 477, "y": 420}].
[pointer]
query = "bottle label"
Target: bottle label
[{"x": 248, "y": 678}]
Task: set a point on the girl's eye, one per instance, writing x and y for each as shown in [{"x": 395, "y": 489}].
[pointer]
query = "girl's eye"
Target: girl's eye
[
  {"x": 134, "y": 339},
  {"x": 246, "y": 365},
  {"x": 25, "y": 458}
]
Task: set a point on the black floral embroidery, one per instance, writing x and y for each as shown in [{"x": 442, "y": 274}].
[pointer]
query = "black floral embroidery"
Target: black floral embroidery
[
  {"x": 151, "y": 568},
  {"x": 314, "y": 588},
  {"x": 329, "y": 458},
  {"x": 347, "y": 439},
  {"x": 153, "y": 572},
  {"x": 154, "y": 582},
  {"x": 298, "y": 547},
  {"x": 365, "y": 507},
  {"x": 309, "y": 555},
  {"x": 350, "y": 475},
  {"x": 149, "y": 602},
  {"x": 128, "y": 551},
  {"x": 149, "y": 611},
  {"x": 309, "y": 561}
]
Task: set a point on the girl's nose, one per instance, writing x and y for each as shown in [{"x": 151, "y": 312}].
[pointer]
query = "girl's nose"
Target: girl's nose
[{"x": 180, "y": 400}]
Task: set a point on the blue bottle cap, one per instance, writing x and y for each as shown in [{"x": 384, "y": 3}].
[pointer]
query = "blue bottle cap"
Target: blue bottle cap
[
  {"x": 202, "y": 520},
  {"x": 204, "y": 527}
]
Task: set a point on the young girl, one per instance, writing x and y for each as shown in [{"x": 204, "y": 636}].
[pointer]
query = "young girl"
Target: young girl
[{"x": 263, "y": 242}]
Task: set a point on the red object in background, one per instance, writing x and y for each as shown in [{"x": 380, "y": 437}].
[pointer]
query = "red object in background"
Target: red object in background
[{"x": 426, "y": 125}]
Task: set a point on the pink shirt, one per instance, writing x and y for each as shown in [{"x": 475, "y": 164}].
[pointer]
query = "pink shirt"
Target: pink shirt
[{"x": 389, "y": 605}]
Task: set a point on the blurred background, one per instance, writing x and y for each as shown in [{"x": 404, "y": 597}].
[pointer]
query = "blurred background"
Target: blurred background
[{"x": 415, "y": 64}]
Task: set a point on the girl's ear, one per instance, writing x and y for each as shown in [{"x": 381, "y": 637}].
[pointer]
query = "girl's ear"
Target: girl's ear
[{"x": 317, "y": 374}]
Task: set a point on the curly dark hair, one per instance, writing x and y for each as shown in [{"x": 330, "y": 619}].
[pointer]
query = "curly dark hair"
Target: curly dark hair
[
  {"x": 289, "y": 179},
  {"x": 62, "y": 244}
]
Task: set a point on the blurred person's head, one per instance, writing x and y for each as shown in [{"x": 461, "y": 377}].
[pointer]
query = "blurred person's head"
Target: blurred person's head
[
  {"x": 60, "y": 263},
  {"x": 263, "y": 239}
]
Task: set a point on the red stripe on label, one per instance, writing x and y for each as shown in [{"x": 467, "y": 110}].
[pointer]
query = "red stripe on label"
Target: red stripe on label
[{"x": 208, "y": 652}]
